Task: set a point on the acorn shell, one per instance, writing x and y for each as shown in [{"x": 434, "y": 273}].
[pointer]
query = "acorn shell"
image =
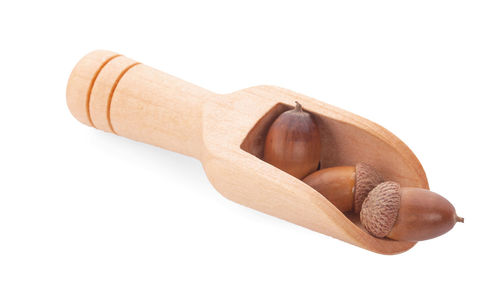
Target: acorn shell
[
  {"x": 336, "y": 184},
  {"x": 422, "y": 215},
  {"x": 367, "y": 178},
  {"x": 380, "y": 209},
  {"x": 293, "y": 143}
]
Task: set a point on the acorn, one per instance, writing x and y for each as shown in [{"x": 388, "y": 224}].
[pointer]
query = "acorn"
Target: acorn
[
  {"x": 293, "y": 143},
  {"x": 345, "y": 187},
  {"x": 407, "y": 213}
]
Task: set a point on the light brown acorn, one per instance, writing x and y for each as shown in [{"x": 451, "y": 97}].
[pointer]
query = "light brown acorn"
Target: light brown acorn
[
  {"x": 345, "y": 187},
  {"x": 293, "y": 143},
  {"x": 407, "y": 213}
]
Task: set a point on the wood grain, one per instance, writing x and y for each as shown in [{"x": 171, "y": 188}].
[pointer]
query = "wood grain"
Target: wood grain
[{"x": 227, "y": 132}]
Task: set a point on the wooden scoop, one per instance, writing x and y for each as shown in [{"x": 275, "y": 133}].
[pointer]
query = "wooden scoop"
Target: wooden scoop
[{"x": 226, "y": 133}]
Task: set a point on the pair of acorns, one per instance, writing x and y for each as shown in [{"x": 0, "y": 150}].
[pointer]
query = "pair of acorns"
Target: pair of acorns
[{"x": 293, "y": 144}]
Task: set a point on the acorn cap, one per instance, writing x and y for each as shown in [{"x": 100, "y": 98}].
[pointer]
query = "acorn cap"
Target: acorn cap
[
  {"x": 380, "y": 209},
  {"x": 366, "y": 180}
]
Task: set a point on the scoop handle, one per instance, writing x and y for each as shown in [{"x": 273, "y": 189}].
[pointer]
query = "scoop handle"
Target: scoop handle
[{"x": 119, "y": 95}]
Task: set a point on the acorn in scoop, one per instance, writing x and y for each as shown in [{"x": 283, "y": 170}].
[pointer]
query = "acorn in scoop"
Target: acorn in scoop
[
  {"x": 293, "y": 143},
  {"x": 407, "y": 213},
  {"x": 345, "y": 187}
]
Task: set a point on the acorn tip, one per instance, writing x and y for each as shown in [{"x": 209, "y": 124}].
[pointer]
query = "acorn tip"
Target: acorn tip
[{"x": 298, "y": 106}]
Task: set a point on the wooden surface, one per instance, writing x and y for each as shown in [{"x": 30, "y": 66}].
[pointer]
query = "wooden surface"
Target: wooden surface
[{"x": 226, "y": 133}]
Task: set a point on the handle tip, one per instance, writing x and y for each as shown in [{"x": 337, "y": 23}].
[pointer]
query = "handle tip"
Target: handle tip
[{"x": 81, "y": 82}]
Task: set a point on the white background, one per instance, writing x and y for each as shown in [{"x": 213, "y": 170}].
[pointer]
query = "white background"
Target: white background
[{"x": 89, "y": 214}]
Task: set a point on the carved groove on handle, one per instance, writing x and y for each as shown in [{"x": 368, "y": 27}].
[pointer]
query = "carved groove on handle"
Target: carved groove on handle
[
  {"x": 110, "y": 98},
  {"x": 91, "y": 86}
]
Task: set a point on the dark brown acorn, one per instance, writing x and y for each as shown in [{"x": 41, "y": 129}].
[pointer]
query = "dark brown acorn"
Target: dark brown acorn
[
  {"x": 407, "y": 213},
  {"x": 293, "y": 143},
  {"x": 345, "y": 187}
]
